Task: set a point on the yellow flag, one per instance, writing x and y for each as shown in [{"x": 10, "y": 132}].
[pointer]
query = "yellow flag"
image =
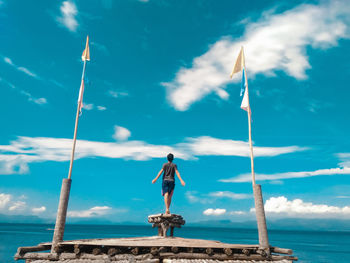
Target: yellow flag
[
  {"x": 86, "y": 53},
  {"x": 240, "y": 63}
]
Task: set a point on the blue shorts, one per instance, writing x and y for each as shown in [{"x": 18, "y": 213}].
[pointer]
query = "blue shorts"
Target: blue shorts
[{"x": 167, "y": 186}]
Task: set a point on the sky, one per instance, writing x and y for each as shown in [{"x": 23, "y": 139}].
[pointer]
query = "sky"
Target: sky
[{"x": 158, "y": 82}]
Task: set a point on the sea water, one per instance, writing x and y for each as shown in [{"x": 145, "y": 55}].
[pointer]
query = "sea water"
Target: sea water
[{"x": 308, "y": 246}]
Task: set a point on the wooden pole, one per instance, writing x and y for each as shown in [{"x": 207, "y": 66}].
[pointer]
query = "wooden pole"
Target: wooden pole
[
  {"x": 66, "y": 183},
  {"x": 61, "y": 215},
  {"x": 258, "y": 199},
  {"x": 249, "y": 113},
  {"x": 76, "y": 124},
  {"x": 261, "y": 219},
  {"x": 250, "y": 142}
]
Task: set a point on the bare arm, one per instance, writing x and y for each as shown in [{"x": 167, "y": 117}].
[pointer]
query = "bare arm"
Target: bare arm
[
  {"x": 155, "y": 179},
  {"x": 178, "y": 176}
]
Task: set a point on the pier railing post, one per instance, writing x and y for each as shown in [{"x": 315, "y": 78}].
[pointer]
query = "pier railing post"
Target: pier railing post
[
  {"x": 261, "y": 219},
  {"x": 61, "y": 215}
]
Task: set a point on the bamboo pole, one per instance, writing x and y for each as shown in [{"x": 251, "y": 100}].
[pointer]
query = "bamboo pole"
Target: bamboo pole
[
  {"x": 61, "y": 215},
  {"x": 249, "y": 112},
  {"x": 258, "y": 199},
  {"x": 76, "y": 124},
  {"x": 66, "y": 183},
  {"x": 261, "y": 219}
]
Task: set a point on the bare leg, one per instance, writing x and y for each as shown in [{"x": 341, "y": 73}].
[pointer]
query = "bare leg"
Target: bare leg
[
  {"x": 169, "y": 199},
  {"x": 166, "y": 201}
]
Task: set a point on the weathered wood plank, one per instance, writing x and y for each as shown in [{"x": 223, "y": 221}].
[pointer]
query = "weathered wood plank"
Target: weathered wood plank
[
  {"x": 23, "y": 250},
  {"x": 156, "y": 241},
  {"x": 282, "y": 250},
  {"x": 216, "y": 261},
  {"x": 94, "y": 261},
  {"x": 255, "y": 257},
  {"x": 168, "y": 255}
]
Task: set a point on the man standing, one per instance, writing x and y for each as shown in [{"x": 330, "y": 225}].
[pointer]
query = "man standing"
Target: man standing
[{"x": 168, "y": 184}]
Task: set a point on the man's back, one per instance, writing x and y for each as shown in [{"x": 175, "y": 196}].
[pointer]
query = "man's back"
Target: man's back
[{"x": 169, "y": 171}]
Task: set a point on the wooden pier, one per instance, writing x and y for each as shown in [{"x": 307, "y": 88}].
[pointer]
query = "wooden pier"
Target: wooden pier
[
  {"x": 151, "y": 249},
  {"x": 161, "y": 248}
]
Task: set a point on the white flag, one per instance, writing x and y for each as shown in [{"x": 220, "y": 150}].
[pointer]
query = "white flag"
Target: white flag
[{"x": 240, "y": 67}]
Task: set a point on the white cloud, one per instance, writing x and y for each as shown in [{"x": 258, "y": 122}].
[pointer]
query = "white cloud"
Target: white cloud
[
  {"x": 20, "y": 68},
  {"x": 4, "y": 200},
  {"x": 195, "y": 197},
  {"x": 214, "y": 212},
  {"x": 39, "y": 149},
  {"x": 117, "y": 94},
  {"x": 58, "y": 84},
  {"x": 206, "y": 145},
  {"x": 270, "y": 47},
  {"x": 297, "y": 207},
  {"x": 40, "y": 101},
  {"x": 230, "y": 195},
  {"x": 191, "y": 197},
  {"x": 14, "y": 164},
  {"x": 14, "y": 158},
  {"x": 91, "y": 106},
  {"x": 11, "y": 204},
  {"x": 101, "y": 108},
  {"x": 8, "y": 83},
  {"x": 121, "y": 133},
  {"x": 345, "y": 159},
  {"x": 87, "y": 106},
  {"x": 237, "y": 213},
  {"x": 27, "y": 71},
  {"x": 18, "y": 205},
  {"x": 92, "y": 212},
  {"x": 38, "y": 210},
  {"x": 22, "y": 197},
  {"x": 8, "y": 61},
  {"x": 31, "y": 98},
  {"x": 100, "y": 47},
  {"x": 68, "y": 16},
  {"x": 288, "y": 175}
]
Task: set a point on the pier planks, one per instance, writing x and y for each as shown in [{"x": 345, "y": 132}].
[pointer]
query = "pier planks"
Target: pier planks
[
  {"x": 154, "y": 241},
  {"x": 143, "y": 249}
]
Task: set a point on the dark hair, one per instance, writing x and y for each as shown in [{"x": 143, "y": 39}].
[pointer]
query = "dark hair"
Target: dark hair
[{"x": 170, "y": 157}]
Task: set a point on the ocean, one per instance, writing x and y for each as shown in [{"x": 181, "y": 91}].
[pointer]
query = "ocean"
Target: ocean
[{"x": 308, "y": 246}]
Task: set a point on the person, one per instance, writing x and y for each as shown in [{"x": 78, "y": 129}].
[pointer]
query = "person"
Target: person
[{"x": 168, "y": 183}]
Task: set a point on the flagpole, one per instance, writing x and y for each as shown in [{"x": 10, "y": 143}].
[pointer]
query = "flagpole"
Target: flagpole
[
  {"x": 250, "y": 133},
  {"x": 258, "y": 199},
  {"x": 264, "y": 247},
  {"x": 76, "y": 125},
  {"x": 249, "y": 113},
  {"x": 66, "y": 183}
]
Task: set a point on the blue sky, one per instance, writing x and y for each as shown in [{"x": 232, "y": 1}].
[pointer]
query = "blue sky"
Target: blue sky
[{"x": 158, "y": 82}]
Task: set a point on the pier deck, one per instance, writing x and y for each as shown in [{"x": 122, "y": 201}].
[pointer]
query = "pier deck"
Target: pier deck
[
  {"x": 154, "y": 241},
  {"x": 151, "y": 249}
]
